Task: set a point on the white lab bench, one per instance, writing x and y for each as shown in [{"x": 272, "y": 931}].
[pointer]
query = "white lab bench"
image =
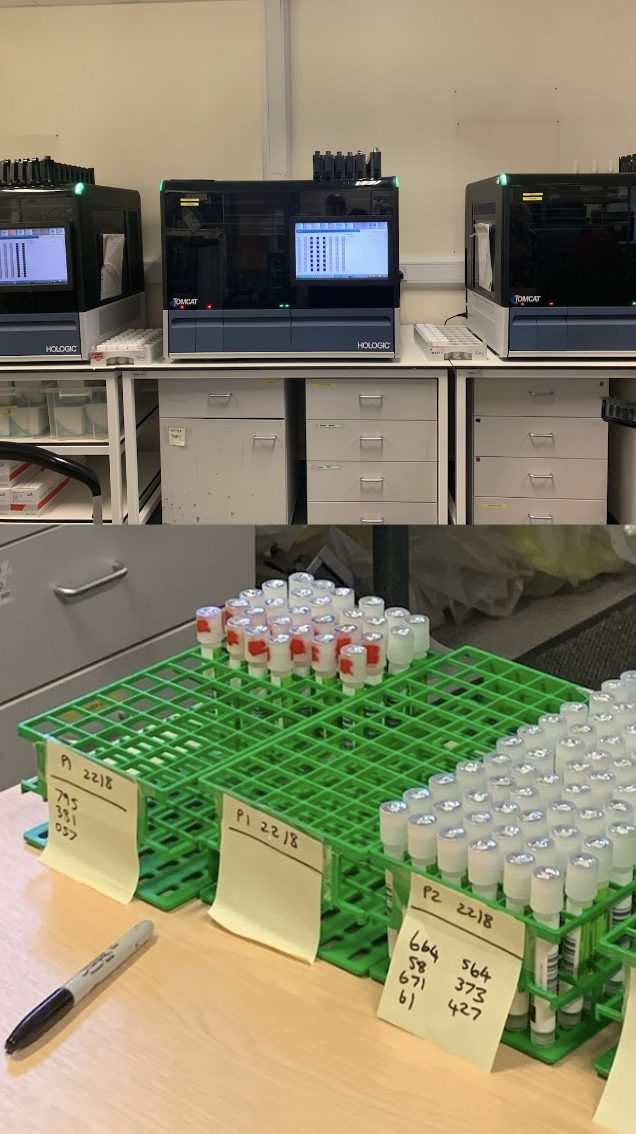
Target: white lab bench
[{"x": 531, "y": 446}]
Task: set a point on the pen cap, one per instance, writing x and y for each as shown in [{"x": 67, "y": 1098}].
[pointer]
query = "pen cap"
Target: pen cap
[
  {"x": 418, "y": 800},
  {"x": 422, "y": 836},
  {"x": 517, "y": 876},
  {"x": 509, "y": 836},
  {"x": 549, "y": 786},
  {"x": 602, "y": 723},
  {"x": 372, "y": 606},
  {"x": 602, "y": 847},
  {"x": 300, "y": 579},
  {"x": 575, "y": 771},
  {"x": 546, "y": 891},
  {"x": 554, "y": 725},
  {"x": 591, "y": 821},
  {"x": 484, "y": 862},
  {"x": 567, "y": 841},
  {"x": 299, "y": 614},
  {"x": 470, "y": 774},
  {"x": 393, "y": 819},
  {"x": 623, "y": 836},
  {"x": 541, "y": 758},
  {"x": 280, "y": 658},
  {"x": 443, "y": 785},
  {"x": 574, "y": 712},
  {"x": 601, "y": 784},
  {"x": 341, "y": 599},
  {"x": 323, "y": 654},
  {"x": 396, "y": 615},
  {"x": 505, "y": 810},
  {"x": 512, "y": 746},
  {"x": 448, "y": 811},
  {"x": 533, "y": 821},
  {"x": 619, "y": 811},
  {"x": 275, "y": 589},
  {"x": 500, "y": 787},
  {"x": 581, "y": 877},
  {"x": 253, "y": 596},
  {"x": 420, "y": 624},
  {"x": 452, "y": 850},
  {"x": 478, "y": 823},
  {"x": 323, "y": 586},
  {"x": 400, "y": 644},
  {"x": 542, "y": 848}
]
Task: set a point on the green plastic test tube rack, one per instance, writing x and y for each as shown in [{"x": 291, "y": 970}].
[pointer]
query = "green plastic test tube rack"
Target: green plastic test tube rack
[{"x": 620, "y": 946}]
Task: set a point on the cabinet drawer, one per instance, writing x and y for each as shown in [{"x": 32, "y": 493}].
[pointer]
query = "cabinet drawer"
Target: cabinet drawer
[
  {"x": 540, "y": 437},
  {"x": 370, "y": 399},
  {"x": 221, "y": 395},
  {"x": 393, "y": 513},
  {"x": 332, "y": 440},
  {"x": 166, "y": 579},
  {"x": 500, "y": 510},
  {"x": 556, "y": 396},
  {"x": 226, "y": 472},
  {"x": 370, "y": 482},
  {"x": 540, "y": 478}
]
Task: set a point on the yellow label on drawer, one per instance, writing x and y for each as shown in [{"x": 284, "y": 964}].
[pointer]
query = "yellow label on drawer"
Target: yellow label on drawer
[
  {"x": 316, "y": 384},
  {"x": 271, "y": 382},
  {"x": 329, "y": 425},
  {"x": 494, "y": 505},
  {"x": 321, "y": 468}
]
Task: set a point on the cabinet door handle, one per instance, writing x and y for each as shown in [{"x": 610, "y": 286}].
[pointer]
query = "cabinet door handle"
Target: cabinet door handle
[
  {"x": 541, "y": 476},
  {"x": 371, "y": 480},
  {"x": 371, "y": 397},
  {"x": 262, "y": 437},
  {"x": 380, "y": 439},
  {"x": 380, "y": 521},
  {"x": 226, "y": 396},
  {"x": 531, "y": 517},
  {"x": 543, "y": 436},
  {"x": 541, "y": 393},
  {"x": 75, "y": 594}
]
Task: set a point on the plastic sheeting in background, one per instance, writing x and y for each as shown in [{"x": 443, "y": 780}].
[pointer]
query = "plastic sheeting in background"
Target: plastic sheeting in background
[{"x": 459, "y": 570}]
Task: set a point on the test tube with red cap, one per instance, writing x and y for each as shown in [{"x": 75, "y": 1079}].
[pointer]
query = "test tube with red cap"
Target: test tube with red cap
[
  {"x": 209, "y": 623},
  {"x": 235, "y": 608},
  {"x": 256, "y": 650},
  {"x": 323, "y": 658},
  {"x": 400, "y": 648},
  {"x": 301, "y": 640},
  {"x": 375, "y": 645},
  {"x": 253, "y": 596},
  {"x": 235, "y": 630},
  {"x": 353, "y": 668},
  {"x": 280, "y": 658}
]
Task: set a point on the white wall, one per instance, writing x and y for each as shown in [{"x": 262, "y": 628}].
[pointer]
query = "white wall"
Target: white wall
[
  {"x": 140, "y": 91},
  {"x": 455, "y": 90}
]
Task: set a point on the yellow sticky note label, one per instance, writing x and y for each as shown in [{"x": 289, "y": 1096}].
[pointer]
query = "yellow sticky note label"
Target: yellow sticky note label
[
  {"x": 454, "y": 972},
  {"x": 176, "y": 435},
  {"x": 616, "y": 1108},
  {"x": 93, "y": 815},
  {"x": 317, "y": 384},
  {"x": 270, "y": 881},
  {"x": 494, "y": 505},
  {"x": 270, "y": 382}
]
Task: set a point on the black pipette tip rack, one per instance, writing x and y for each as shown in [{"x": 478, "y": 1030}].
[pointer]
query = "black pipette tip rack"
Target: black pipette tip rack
[
  {"x": 42, "y": 173},
  {"x": 618, "y": 411}
]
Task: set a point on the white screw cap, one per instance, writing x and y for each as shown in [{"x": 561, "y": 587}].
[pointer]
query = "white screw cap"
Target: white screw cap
[
  {"x": 602, "y": 847},
  {"x": 581, "y": 877},
  {"x": 422, "y": 837},
  {"x": 484, "y": 862},
  {"x": 393, "y": 817},
  {"x": 452, "y": 850},
  {"x": 517, "y": 877},
  {"x": 623, "y": 836},
  {"x": 546, "y": 891}
]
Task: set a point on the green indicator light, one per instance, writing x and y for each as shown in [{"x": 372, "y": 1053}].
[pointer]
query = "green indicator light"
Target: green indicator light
[
  {"x": 160, "y": 186},
  {"x": 502, "y": 179},
  {"x": 633, "y": 302},
  {"x": 397, "y": 183},
  {"x": 79, "y": 188}
]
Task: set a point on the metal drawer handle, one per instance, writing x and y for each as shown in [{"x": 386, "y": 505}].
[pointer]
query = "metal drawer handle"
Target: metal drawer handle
[
  {"x": 541, "y": 393},
  {"x": 541, "y": 476},
  {"x": 371, "y": 480},
  {"x": 380, "y": 439},
  {"x": 531, "y": 517},
  {"x": 261, "y": 437},
  {"x": 372, "y": 397},
  {"x": 74, "y": 594},
  {"x": 380, "y": 521},
  {"x": 543, "y": 436},
  {"x": 219, "y": 396}
]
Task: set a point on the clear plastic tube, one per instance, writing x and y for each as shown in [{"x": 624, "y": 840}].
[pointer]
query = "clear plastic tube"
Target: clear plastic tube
[
  {"x": 581, "y": 888},
  {"x": 517, "y": 878},
  {"x": 546, "y": 901}
]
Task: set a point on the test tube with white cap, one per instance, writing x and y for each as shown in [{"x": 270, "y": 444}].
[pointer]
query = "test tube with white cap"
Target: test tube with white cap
[
  {"x": 253, "y": 596},
  {"x": 421, "y": 626},
  {"x": 517, "y": 878},
  {"x": 543, "y": 849},
  {"x": 235, "y": 608},
  {"x": 323, "y": 658},
  {"x": 628, "y": 678},
  {"x": 300, "y": 596},
  {"x": 352, "y": 664},
  {"x": 581, "y": 888},
  {"x": 619, "y": 810},
  {"x": 301, "y": 643},
  {"x": 418, "y": 800},
  {"x": 567, "y": 749},
  {"x": 256, "y": 650},
  {"x": 533, "y": 821},
  {"x": 400, "y": 648},
  {"x": 591, "y": 821},
  {"x": 574, "y": 771},
  {"x": 623, "y": 836},
  {"x": 546, "y": 902},
  {"x": 567, "y": 841},
  {"x": 600, "y": 701},
  {"x": 347, "y": 634},
  {"x": 209, "y": 623},
  {"x": 300, "y": 615},
  {"x": 598, "y": 758},
  {"x": 614, "y": 686},
  {"x": 513, "y": 746},
  {"x": 509, "y": 836},
  {"x": 323, "y": 586},
  {"x": 601, "y": 845},
  {"x": 280, "y": 624},
  {"x": 561, "y": 811},
  {"x": 341, "y": 599},
  {"x": 554, "y": 726},
  {"x": 375, "y": 646},
  {"x": 393, "y": 827},
  {"x": 500, "y": 787},
  {"x": 603, "y": 724},
  {"x": 523, "y": 773},
  {"x": 549, "y": 785},
  {"x": 497, "y": 764},
  {"x": 624, "y": 713},
  {"x": 580, "y": 795},
  {"x": 275, "y": 589},
  {"x": 422, "y": 839},
  {"x": 601, "y": 784},
  {"x": 629, "y": 734},
  {"x": 533, "y": 736},
  {"x": 235, "y": 630},
  {"x": 448, "y": 811},
  {"x": 542, "y": 759},
  {"x": 300, "y": 579},
  {"x": 275, "y": 607},
  {"x": 354, "y": 616},
  {"x": 584, "y": 732},
  {"x": 257, "y": 615},
  {"x": 505, "y": 811},
  {"x": 375, "y": 626},
  {"x": 484, "y": 867},
  {"x": 396, "y": 615},
  {"x": 574, "y": 712},
  {"x": 320, "y": 604},
  {"x": 452, "y": 853},
  {"x": 323, "y": 624},
  {"x": 372, "y": 606},
  {"x": 280, "y": 659},
  {"x": 470, "y": 774},
  {"x": 478, "y": 824},
  {"x": 526, "y": 795},
  {"x": 615, "y": 746},
  {"x": 477, "y": 799},
  {"x": 443, "y": 785}
]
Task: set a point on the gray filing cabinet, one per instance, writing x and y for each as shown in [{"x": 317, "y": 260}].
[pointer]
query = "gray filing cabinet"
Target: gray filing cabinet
[
  {"x": 538, "y": 447},
  {"x": 372, "y": 450},
  {"x": 227, "y": 448},
  {"x": 56, "y": 650}
]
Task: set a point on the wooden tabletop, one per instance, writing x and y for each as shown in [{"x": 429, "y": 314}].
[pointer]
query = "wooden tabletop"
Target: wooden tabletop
[{"x": 204, "y": 1032}]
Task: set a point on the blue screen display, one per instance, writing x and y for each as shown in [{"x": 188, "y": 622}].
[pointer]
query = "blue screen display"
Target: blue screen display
[{"x": 342, "y": 250}]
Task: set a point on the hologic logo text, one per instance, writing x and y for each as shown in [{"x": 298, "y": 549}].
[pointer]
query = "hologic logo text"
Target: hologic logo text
[
  {"x": 374, "y": 346},
  {"x": 61, "y": 350}
]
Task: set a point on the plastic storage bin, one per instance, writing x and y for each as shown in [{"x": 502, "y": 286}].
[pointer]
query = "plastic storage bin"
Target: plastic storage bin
[
  {"x": 23, "y": 410},
  {"x": 78, "y": 412}
]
